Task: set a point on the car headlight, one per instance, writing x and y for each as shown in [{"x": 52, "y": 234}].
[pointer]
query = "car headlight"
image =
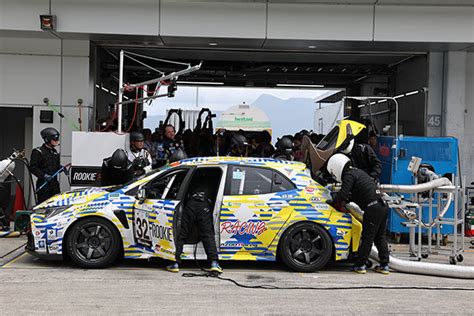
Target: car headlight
[{"x": 52, "y": 211}]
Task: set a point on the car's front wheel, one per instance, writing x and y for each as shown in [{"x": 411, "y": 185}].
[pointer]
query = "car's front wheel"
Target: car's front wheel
[
  {"x": 306, "y": 247},
  {"x": 93, "y": 243}
]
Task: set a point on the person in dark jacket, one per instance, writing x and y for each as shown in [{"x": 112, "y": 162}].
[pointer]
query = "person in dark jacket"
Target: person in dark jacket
[
  {"x": 364, "y": 158},
  {"x": 197, "y": 211},
  {"x": 359, "y": 188},
  {"x": 44, "y": 163},
  {"x": 116, "y": 169}
]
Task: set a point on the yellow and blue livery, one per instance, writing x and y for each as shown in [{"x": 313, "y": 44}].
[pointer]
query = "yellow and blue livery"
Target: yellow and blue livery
[{"x": 263, "y": 209}]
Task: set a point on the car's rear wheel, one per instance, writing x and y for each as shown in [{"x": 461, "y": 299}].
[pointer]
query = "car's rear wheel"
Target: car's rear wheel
[
  {"x": 306, "y": 247},
  {"x": 93, "y": 243}
]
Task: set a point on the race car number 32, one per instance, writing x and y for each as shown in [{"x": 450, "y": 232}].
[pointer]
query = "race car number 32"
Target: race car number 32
[{"x": 141, "y": 226}]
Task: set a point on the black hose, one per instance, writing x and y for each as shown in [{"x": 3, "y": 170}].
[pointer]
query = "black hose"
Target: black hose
[{"x": 27, "y": 165}]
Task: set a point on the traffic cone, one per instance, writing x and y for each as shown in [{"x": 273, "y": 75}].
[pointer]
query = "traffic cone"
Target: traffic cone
[{"x": 19, "y": 201}]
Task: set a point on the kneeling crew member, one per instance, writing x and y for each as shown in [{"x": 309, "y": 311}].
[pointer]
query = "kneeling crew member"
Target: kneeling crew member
[
  {"x": 197, "y": 211},
  {"x": 364, "y": 192},
  {"x": 116, "y": 169},
  {"x": 45, "y": 162}
]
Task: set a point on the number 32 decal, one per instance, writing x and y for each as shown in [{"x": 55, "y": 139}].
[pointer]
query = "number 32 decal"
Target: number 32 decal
[{"x": 142, "y": 228}]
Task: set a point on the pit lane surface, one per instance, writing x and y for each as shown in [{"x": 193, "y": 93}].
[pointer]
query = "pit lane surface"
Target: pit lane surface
[{"x": 33, "y": 285}]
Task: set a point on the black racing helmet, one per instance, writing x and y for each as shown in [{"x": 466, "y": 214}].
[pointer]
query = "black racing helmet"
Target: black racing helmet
[
  {"x": 50, "y": 133},
  {"x": 238, "y": 140},
  {"x": 178, "y": 155},
  {"x": 119, "y": 159},
  {"x": 136, "y": 137},
  {"x": 284, "y": 144}
]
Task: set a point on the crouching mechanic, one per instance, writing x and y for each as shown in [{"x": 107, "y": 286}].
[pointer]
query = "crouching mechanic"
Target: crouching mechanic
[
  {"x": 116, "y": 169},
  {"x": 197, "y": 211},
  {"x": 360, "y": 188}
]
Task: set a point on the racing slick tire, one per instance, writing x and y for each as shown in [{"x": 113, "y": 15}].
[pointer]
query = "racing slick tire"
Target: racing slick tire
[
  {"x": 306, "y": 247},
  {"x": 93, "y": 243}
]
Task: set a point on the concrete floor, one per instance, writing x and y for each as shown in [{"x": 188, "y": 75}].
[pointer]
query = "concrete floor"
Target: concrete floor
[{"x": 30, "y": 285}]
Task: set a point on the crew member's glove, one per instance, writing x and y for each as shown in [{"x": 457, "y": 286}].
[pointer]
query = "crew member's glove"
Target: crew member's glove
[{"x": 48, "y": 177}]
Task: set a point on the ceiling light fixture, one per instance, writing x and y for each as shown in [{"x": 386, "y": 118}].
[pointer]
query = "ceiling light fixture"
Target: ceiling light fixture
[
  {"x": 212, "y": 44},
  {"x": 312, "y": 46},
  {"x": 289, "y": 85}
]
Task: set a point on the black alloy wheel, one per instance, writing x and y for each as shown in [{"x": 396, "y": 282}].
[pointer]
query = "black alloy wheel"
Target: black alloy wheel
[
  {"x": 93, "y": 243},
  {"x": 306, "y": 247}
]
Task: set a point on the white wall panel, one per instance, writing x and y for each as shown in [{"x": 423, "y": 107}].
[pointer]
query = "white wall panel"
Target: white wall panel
[
  {"x": 76, "y": 80},
  {"x": 137, "y": 17},
  {"x": 72, "y": 114},
  {"x": 211, "y": 19},
  {"x": 320, "y": 22},
  {"x": 22, "y": 14},
  {"x": 424, "y": 24},
  {"x": 17, "y": 45},
  {"x": 469, "y": 119},
  {"x": 28, "y": 79}
]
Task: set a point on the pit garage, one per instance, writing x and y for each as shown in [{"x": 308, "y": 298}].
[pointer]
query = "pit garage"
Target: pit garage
[
  {"x": 368, "y": 72},
  {"x": 60, "y": 66}
]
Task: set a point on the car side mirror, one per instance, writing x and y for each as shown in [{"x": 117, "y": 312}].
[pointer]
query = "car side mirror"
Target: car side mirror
[{"x": 141, "y": 195}]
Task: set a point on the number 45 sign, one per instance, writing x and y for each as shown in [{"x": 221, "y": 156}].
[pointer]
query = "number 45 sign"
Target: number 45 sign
[{"x": 434, "y": 120}]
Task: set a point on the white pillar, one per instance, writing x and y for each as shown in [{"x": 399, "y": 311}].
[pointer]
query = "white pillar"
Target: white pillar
[{"x": 459, "y": 107}]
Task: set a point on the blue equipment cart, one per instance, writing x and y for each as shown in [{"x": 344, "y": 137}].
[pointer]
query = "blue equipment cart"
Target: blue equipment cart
[{"x": 439, "y": 152}]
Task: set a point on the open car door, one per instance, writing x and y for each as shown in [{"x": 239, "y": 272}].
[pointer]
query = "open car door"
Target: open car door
[{"x": 154, "y": 212}]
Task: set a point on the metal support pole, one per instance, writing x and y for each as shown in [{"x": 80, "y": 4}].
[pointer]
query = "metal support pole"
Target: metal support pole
[
  {"x": 396, "y": 132},
  {"x": 120, "y": 93},
  {"x": 420, "y": 231},
  {"x": 455, "y": 220},
  {"x": 438, "y": 225},
  {"x": 430, "y": 214}
]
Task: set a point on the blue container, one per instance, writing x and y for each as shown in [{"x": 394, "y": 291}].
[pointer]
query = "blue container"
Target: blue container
[{"x": 439, "y": 152}]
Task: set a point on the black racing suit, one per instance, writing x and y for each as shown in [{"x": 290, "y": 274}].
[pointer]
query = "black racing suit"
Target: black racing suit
[
  {"x": 364, "y": 157},
  {"x": 362, "y": 190},
  {"x": 115, "y": 176},
  {"x": 45, "y": 161},
  {"x": 197, "y": 211}
]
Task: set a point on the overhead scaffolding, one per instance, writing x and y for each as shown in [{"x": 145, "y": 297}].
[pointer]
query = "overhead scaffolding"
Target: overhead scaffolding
[{"x": 164, "y": 79}]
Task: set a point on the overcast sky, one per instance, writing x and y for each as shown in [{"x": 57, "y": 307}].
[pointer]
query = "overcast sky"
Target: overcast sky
[{"x": 221, "y": 98}]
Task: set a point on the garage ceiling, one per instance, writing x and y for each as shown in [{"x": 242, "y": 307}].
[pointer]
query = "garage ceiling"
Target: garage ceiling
[{"x": 256, "y": 68}]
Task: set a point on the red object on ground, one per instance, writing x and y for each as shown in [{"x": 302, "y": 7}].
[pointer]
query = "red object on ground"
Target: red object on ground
[
  {"x": 469, "y": 231},
  {"x": 19, "y": 201}
]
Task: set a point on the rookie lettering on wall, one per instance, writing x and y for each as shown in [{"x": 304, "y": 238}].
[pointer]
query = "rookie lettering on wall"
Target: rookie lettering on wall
[
  {"x": 85, "y": 176},
  {"x": 241, "y": 228}
]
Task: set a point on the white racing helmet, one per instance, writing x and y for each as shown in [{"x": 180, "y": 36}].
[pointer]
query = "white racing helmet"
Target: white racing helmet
[
  {"x": 349, "y": 147},
  {"x": 336, "y": 165}
]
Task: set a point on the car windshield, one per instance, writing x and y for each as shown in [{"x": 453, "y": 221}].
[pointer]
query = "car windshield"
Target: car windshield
[{"x": 120, "y": 186}]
